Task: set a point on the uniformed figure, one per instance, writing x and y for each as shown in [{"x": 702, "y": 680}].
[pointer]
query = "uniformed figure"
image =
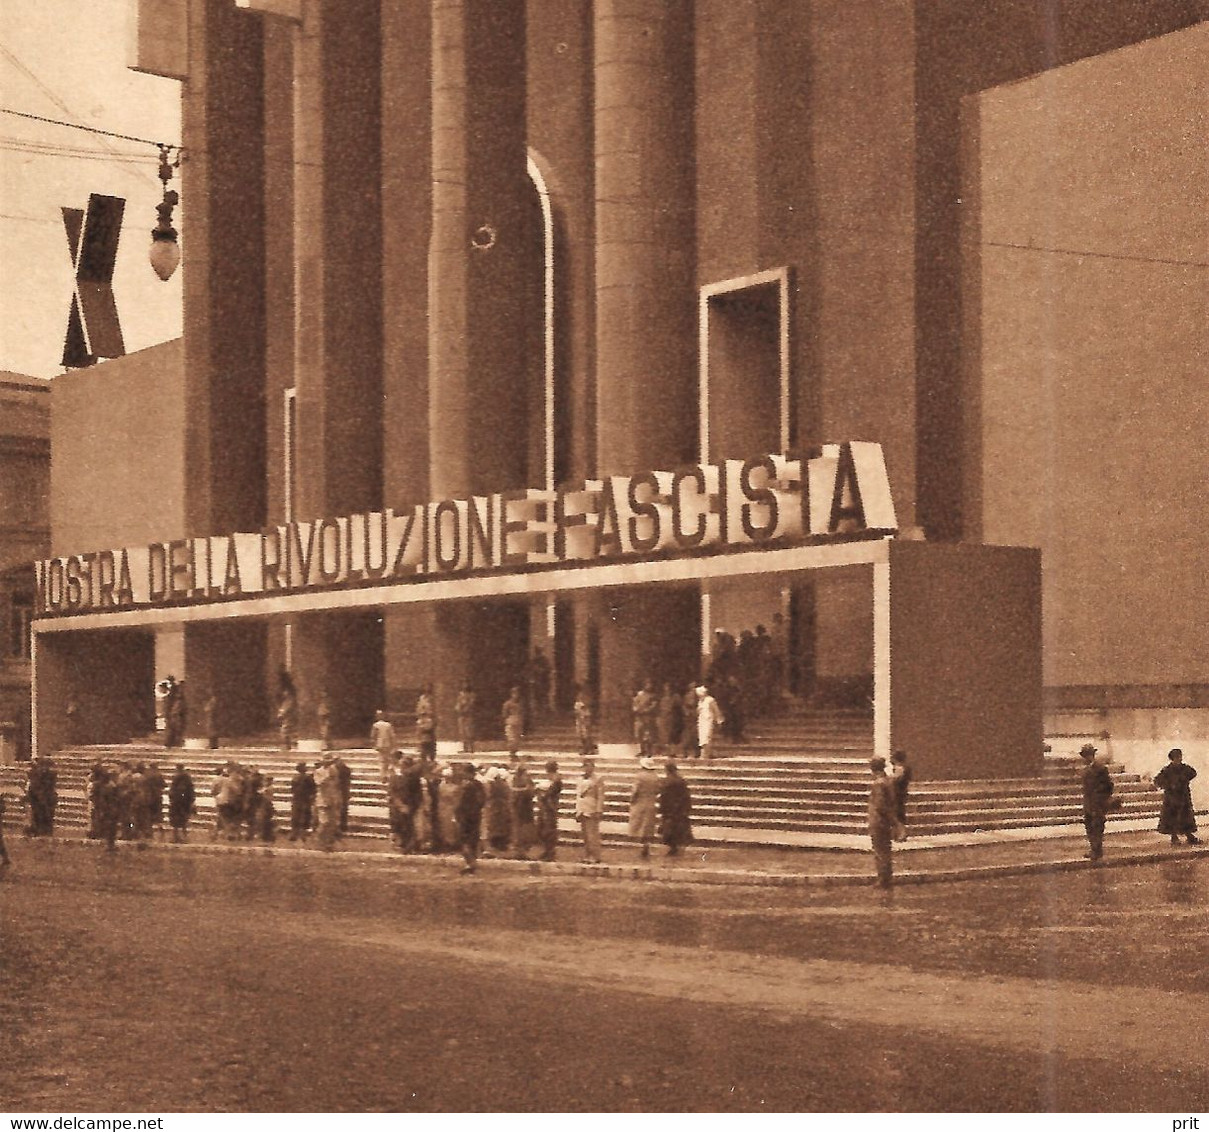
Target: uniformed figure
[
  {"x": 883, "y": 813},
  {"x": 1097, "y": 790},
  {"x": 181, "y": 797},
  {"x": 1177, "y": 815},
  {"x": 302, "y": 801},
  {"x": 470, "y": 817}
]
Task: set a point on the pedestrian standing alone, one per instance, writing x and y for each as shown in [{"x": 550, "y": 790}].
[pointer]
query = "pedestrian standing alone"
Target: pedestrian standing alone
[
  {"x": 883, "y": 810},
  {"x": 323, "y": 713},
  {"x": 589, "y": 808},
  {"x": 287, "y": 710},
  {"x": 900, "y": 775},
  {"x": 549, "y": 793},
  {"x": 382, "y": 735},
  {"x": 675, "y": 810},
  {"x": 513, "y": 713},
  {"x": 709, "y": 719},
  {"x": 210, "y": 715},
  {"x": 644, "y": 804},
  {"x": 41, "y": 790},
  {"x": 344, "y": 776},
  {"x": 1097, "y": 795},
  {"x": 463, "y": 709},
  {"x": 181, "y": 797},
  {"x": 426, "y": 723},
  {"x": 1177, "y": 815},
  {"x": 470, "y": 818},
  {"x": 583, "y": 721},
  {"x": 302, "y": 802}
]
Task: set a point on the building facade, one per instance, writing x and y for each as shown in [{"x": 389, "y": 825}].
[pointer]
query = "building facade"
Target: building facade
[
  {"x": 24, "y": 537},
  {"x": 437, "y": 250}
]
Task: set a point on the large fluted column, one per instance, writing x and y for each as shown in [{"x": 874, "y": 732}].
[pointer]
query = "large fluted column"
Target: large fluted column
[
  {"x": 477, "y": 364},
  {"x": 646, "y": 348},
  {"x": 646, "y": 352}
]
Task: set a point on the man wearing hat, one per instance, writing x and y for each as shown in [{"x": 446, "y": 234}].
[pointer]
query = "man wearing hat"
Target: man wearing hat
[
  {"x": 302, "y": 801},
  {"x": 469, "y": 817},
  {"x": 883, "y": 810},
  {"x": 1097, "y": 790},
  {"x": 644, "y": 802},
  {"x": 327, "y": 802}
]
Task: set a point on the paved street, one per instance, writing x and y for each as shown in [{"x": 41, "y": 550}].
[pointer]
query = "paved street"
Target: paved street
[{"x": 169, "y": 981}]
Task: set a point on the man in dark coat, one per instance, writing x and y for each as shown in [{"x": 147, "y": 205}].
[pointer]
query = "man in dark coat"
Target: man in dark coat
[
  {"x": 181, "y": 796},
  {"x": 396, "y": 802},
  {"x": 302, "y": 801},
  {"x": 4, "y": 861},
  {"x": 900, "y": 775},
  {"x": 549, "y": 794},
  {"x": 108, "y": 803},
  {"x": 344, "y": 776},
  {"x": 43, "y": 797},
  {"x": 413, "y": 788},
  {"x": 469, "y": 816},
  {"x": 1177, "y": 815},
  {"x": 675, "y": 811},
  {"x": 1097, "y": 790},
  {"x": 883, "y": 813}
]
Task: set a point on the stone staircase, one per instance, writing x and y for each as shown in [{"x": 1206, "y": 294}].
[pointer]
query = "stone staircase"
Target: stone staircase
[{"x": 801, "y": 775}]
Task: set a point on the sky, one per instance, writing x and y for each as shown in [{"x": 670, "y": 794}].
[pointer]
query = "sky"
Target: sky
[{"x": 66, "y": 60}]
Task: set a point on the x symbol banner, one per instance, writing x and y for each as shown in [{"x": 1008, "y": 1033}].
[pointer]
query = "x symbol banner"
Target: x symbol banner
[{"x": 93, "y": 330}]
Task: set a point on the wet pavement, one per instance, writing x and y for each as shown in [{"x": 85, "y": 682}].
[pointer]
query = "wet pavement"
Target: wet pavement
[{"x": 214, "y": 981}]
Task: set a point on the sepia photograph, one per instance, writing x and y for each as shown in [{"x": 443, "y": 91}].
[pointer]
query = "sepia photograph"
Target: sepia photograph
[{"x": 604, "y": 556}]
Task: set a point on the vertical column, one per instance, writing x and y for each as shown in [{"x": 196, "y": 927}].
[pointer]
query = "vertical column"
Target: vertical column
[
  {"x": 881, "y": 659},
  {"x": 338, "y": 257},
  {"x": 645, "y": 247},
  {"x": 478, "y": 369},
  {"x": 337, "y": 187},
  {"x": 646, "y": 356},
  {"x": 480, "y": 236},
  {"x": 224, "y": 323}
]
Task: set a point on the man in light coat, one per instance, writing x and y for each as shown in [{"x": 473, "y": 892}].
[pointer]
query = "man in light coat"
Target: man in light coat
[
  {"x": 709, "y": 718},
  {"x": 589, "y": 806},
  {"x": 382, "y": 735}
]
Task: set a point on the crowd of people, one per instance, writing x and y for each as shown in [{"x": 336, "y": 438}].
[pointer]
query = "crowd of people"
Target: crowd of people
[{"x": 437, "y": 807}]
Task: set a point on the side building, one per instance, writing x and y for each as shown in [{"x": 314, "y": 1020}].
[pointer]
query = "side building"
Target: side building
[{"x": 24, "y": 537}]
